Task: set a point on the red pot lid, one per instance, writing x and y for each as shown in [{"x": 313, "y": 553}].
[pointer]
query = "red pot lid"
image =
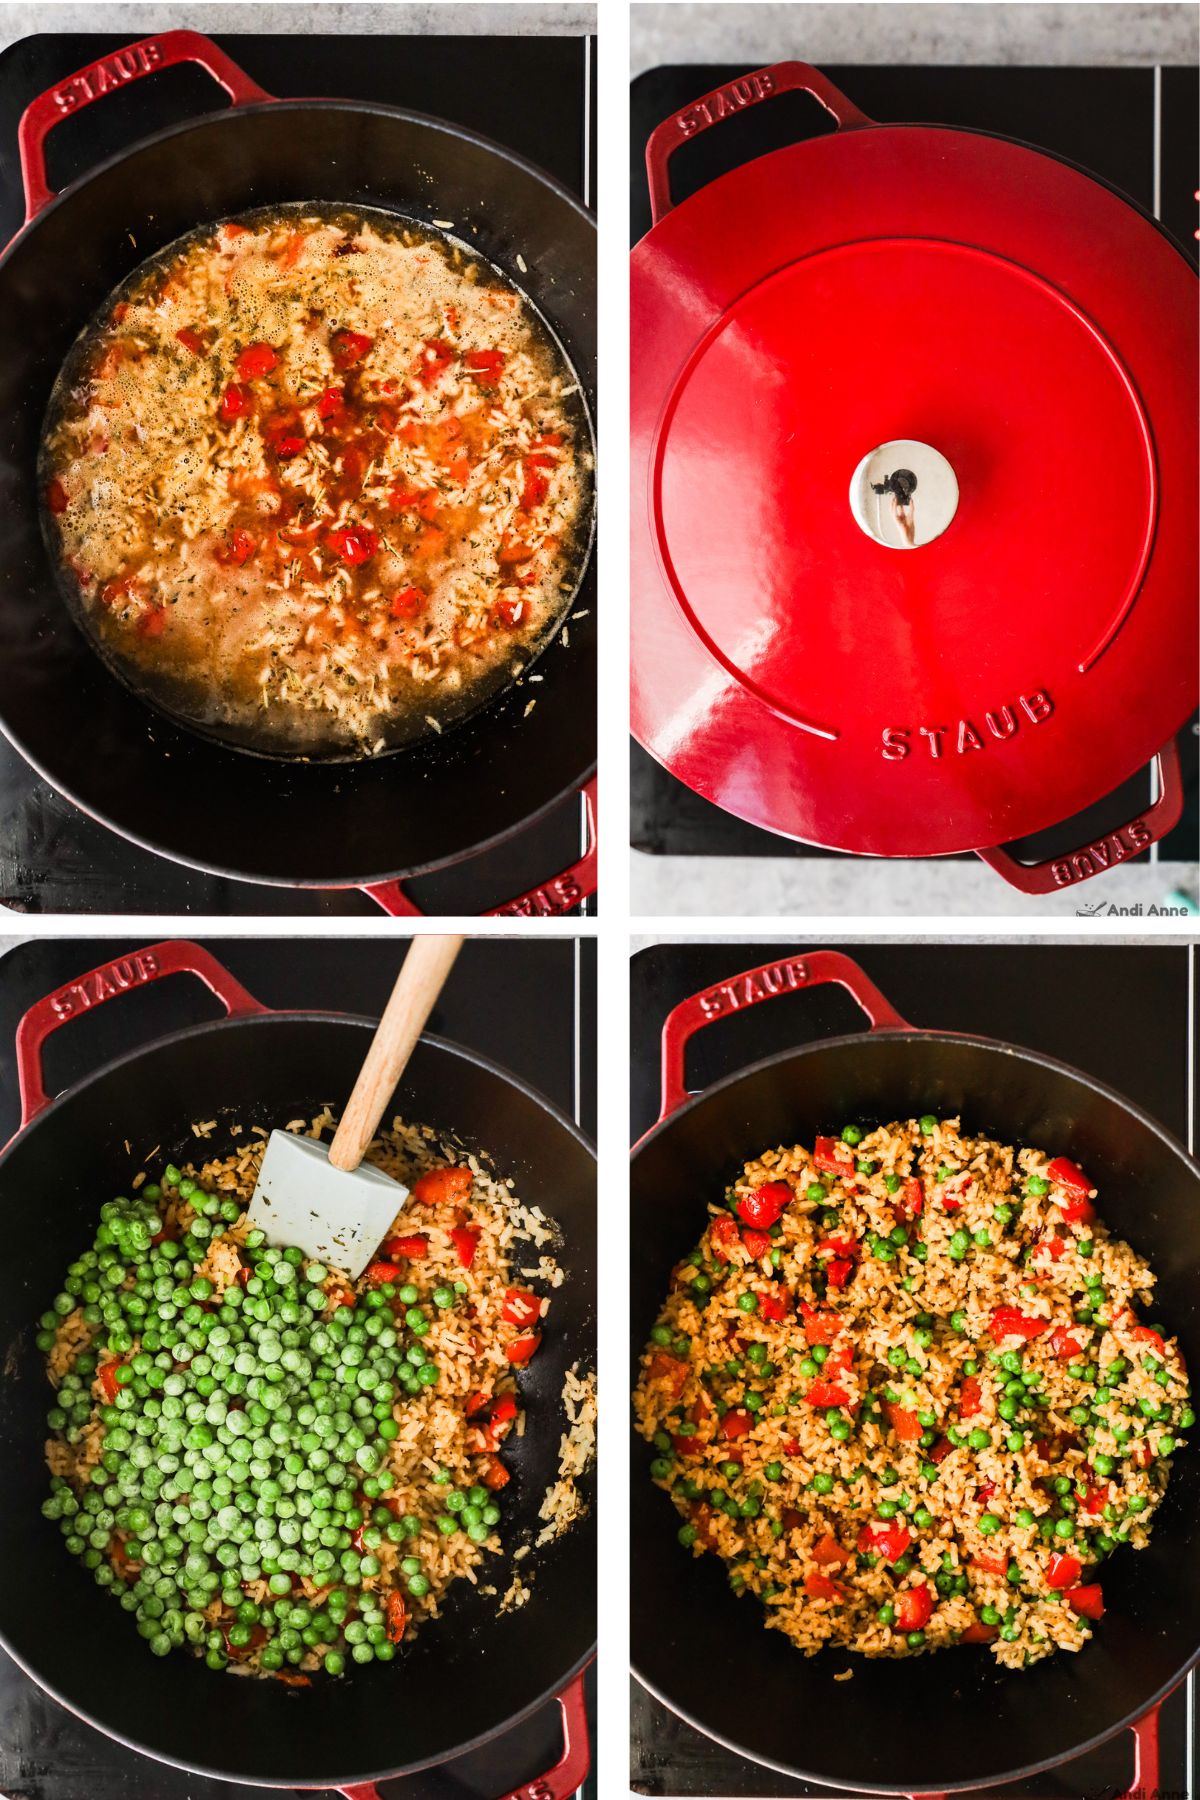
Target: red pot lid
[{"x": 914, "y": 460}]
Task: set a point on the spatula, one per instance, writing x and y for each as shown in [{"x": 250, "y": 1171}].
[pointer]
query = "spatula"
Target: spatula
[{"x": 322, "y": 1197}]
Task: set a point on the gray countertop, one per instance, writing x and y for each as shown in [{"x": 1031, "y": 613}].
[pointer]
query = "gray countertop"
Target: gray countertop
[
  {"x": 555, "y": 18},
  {"x": 1108, "y": 35}
]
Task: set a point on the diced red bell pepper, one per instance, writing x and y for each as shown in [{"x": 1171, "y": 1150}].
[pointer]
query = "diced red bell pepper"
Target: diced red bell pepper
[
  {"x": 839, "y": 1358},
  {"x": 331, "y": 402},
  {"x": 504, "y": 1409},
  {"x": 827, "y": 1550},
  {"x": 833, "y": 1157},
  {"x": 191, "y": 340},
  {"x": 773, "y": 1304},
  {"x": 435, "y": 358},
  {"x": 723, "y": 1235},
  {"x": 509, "y": 610},
  {"x": 1089, "y": 1600},
  {"x": 466, "y": 1241},
  {"x": 991, "y": 1565},
  {"x": 905, "y": 1424},
  {"x": 1093, "y": 1499},
  {"x": 380, "y": 1272},
  {"x": 236, "y": 402},
  {"x": 979, "y": 1633},
  {"x": 412, "y": 1248},
  {"x": 1077, "y": 1210},
  {"x": 107, "y": 1377},
  {"x": 1143, "y": 1455},
  {"x": 820, "y": 1587},
  {"x": 940, "y": 1450},
  {"x": 1063, "y": 1571},
  {"x": 790, "y": 1519},
  {"x": 536, "y": 484},
  {"x": 520, "y": 1307},
  {"x": 757, "y": 1243},
  {"x": 486, "y": 366},
  {"x": 763, "y": 1206},
  {"x": 356, "y": 1540},
  {"x": 288, "y": 444},
  {"x": 1070, "y": 1176},
  {"x": 56, "y": 496},
  {"x": 422, "y": 501},
  {"x": 1064, "y": 1346},
  {"x": 495, "y": 1475},
  {"x": 395, "y": 1616},
  {"x": 354, "y": 544},
  {"x": 1008, "y": 1322},
  {"x": 826, "y": 1394},
  {"x": 513, "y": 550},
  {"x": 820, "y": 1327},
  {"x": 437, "y": 1186},
  {"x": 238, "y": 550},
  {"x": 984, "y": 1492},
  {"x": 349, "y": 347},
  {"x": 671, "y": 1371},
  {"x": 837, "y": 1246},
  {"x": 909, "y": 1203},
  {"x": 256, "y": 360},
  {"x": 914, "y": 1607},
  {"x": 1142, "y": 1334},
  {"x": 522, "y": 1348},
  {"x": 970, "y": 1394},
  {"x": 737, "y": 1423},
  {"x": 886, "y": 1540},
  {"x": 838, "y": 1271}
]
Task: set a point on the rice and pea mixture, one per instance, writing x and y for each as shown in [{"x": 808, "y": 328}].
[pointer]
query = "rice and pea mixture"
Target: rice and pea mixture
[
  {"x": 266, "y": 1463},
  {"x": 903, "y": 1389}
]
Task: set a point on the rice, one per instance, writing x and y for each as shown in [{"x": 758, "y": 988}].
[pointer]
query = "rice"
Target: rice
[
  {"x": 884, "y": 1394},
  {"x": 410, "y": 404},
  {"x": 448, "y": 1437}
]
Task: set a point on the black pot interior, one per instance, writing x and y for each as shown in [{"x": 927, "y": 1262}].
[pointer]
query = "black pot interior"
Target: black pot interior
[
  {"x": 132, "y": 768},
  {"x": 952, "y": 1719},
  {"x": 469, "y": 1673}
]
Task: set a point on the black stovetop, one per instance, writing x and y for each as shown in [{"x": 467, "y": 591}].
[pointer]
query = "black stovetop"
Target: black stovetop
[
  {"x": 1103, "y": 119},
  {"x": 46, "y": 1753},
  {"x": 53, "y": 858},
  {"x": 1127, "y": 1015}
]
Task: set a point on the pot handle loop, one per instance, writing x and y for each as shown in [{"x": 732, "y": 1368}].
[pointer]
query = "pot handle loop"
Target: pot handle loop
[
  {"x": 102, "y": 77},
  {"x": 557, "y": 1783},
  {"x": 548, "y": 900},
  {"x": 735, "y": 97},
  {"x": 1070, "y": 868},
  {"x": 121, "y": 976},
  {"x": 751, "y": 988}
]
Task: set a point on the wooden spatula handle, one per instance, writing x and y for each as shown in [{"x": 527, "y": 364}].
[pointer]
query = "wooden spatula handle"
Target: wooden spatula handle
[{"x": 420, "y": 981}]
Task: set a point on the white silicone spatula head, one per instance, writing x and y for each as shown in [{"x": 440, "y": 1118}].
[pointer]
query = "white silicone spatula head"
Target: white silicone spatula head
[{"x": 321, "y": 1197}]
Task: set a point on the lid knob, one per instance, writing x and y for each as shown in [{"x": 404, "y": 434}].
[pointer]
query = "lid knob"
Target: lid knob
[{"x": 903, "y": 494}]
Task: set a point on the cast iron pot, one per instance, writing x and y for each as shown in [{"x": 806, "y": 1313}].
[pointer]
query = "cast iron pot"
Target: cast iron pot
[
  {"x": 955, "y": 1719},
  {"x": 362, "y": 824},
  {"x": 913, "y": 518},
  {"x": 468, "y": 1676}
]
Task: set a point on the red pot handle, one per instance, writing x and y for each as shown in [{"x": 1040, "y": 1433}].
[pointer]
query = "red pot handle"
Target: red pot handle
[
  {"x": 105, "y": 75},
  {"x": 1146, "y": 828},
  {"x": 557, "y": 1783},
  {"x": 547, "y": 901},
  {"x": 751, "y": 988},
  {"x": 86, "y": 992},
  {"x": 735, "y": 97}
]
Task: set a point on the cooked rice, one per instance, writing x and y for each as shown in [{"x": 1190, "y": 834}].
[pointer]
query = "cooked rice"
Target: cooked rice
[
  {"x": 803, "y": 1509},
  {"x": 440, "y": 1444},
  {"x": 201, "y": 549}
]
